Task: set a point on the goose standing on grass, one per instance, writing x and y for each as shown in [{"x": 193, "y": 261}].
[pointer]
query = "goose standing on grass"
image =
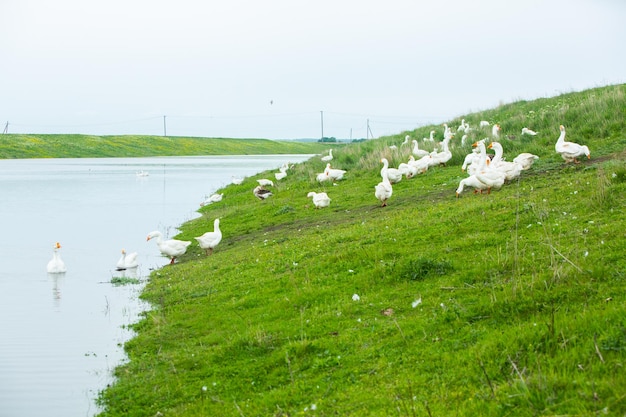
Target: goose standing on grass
[
  {"x": 406, "y": 140},
  {"x": 483, "y": 123},
  {"x": 479, "y": 165},
  {"x": 441, "y": 158},
  {"x": 328, "y": 157},
  {"x": 471, "y": 181},
  {"x": 488, "y": 175},
  {"x": 383, "y": 190},
  {"x": 525, "y": 160},
  {"x": 394, "y": 175},
  {"x": 261, "y": 193},
  {"x": 214, "y": 198},
  {"x": 495, "y": 131},
  {"x": 471, "y": 159},
  {"x": 236, "y": 180},
  {"x": 570, "y": 151},
  {"x": 265, "y": 182},
  {"x": 417, "y": 151},
  {"x": 171, "y": 248},
  {"x": 320, "y": 200},
  {"x": 127, "y": 261},
  {"x": 209, "y": 240},
  {"x": 511, "y": 170},
  {"x": 282, "y": 173},
  {"x": 333, "y": 173},
  {"x": 421, "y": 165},
  {"x": 321, "y": 177},
  {"x": 430, "y": 138},
  {"x": 527, "y": 131},
  {"x": 56, "y": 264}
]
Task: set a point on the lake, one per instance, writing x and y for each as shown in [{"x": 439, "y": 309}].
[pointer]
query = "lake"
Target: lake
[{"x": 61, "y": 335}]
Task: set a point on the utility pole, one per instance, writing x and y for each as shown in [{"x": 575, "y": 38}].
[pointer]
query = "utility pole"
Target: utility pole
[
  {"x": 164, "y": 127},
  {"x": 367, "y": 131},
  {"x": 322, "y": 120},
  {"x": 6, "y": 128}
]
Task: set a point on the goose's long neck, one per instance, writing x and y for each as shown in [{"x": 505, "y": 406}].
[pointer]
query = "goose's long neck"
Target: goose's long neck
[
  {"x": 561, "y": 137},
  {"x": 498, "y": 157}
]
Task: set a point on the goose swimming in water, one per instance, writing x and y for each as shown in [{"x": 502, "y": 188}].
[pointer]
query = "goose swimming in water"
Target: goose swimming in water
[
  {"x": 127, "y": 261},
  {"x": 56, "y": 264}
]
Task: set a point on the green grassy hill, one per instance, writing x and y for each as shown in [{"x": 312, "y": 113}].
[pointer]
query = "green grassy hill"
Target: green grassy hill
[
  {"x": 503, "y": 304},
  {"x": 85, "y": 146}
]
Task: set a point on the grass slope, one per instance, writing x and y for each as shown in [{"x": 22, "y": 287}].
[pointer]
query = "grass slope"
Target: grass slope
[
  {"x": 85, "y": 146},
  {"x": 510, "y": 303}
]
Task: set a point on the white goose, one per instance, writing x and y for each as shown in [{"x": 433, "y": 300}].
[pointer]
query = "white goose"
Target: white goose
[
  {"x": 209, "y": 240},
  {"x": 261, "y": 193},
  {"x": 441, "y": 158},
  {"x": 511, "y": 170},
  {"x": 527, "y": 131},
  {"x": 328, "y": 157},
  {"x": 320, "y": 200},
  {"x": 406, "y": 140},
  {"x": 525, "y": 160},
  {"x": 495, "y": 131},
  {"x": 236, "y": 180},
  {"x": 321, "y": 177},
  {"x": 478, "y": 165},
  {"x": 570, "y": 151},
  {"x": 56, "y": 264},
  {"x": 489, "y": 176},
  {"x": 421, "y": 165},
  {"x": 394, "y": 175},
  {"x": 333, "y": 173},
  {"x": 471, "y": 181},
  {"x": 431, "y": 138},
  {"x": 471, "y": 159},
  {"x": 214, "y": 198},
  {"x": 383, "y": 190},
  {"x": 265, "y": 182},
  {"x": 463, "y": 126},
  {"x": 127, "y": 261},
  {"x": 417, "y": 151},
  {"x": 171, "y": 248}
]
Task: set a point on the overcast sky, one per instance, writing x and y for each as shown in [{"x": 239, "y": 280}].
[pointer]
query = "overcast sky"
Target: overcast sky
[{"x": 269, "y": 68}]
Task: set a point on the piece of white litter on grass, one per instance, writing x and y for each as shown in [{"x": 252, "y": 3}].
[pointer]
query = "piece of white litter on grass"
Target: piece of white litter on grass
[
  {"x": 356, "y": 297},
  {"x": 416, "y": 302}
]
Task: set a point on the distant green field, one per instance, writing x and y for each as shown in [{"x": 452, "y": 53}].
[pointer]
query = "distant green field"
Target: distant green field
[{"x": 14, "y": 146}]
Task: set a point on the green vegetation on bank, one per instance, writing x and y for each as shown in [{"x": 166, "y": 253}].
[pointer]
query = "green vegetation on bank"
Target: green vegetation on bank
[
  {"x": 86, "y": 146},
  {"x": 507, "y": 304}
]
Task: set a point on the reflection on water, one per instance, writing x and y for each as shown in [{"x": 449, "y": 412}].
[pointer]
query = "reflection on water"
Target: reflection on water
[{"x": 62, "y": 334}]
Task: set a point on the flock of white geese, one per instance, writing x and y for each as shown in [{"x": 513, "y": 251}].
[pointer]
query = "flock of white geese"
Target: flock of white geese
[{"x": 485, "y": 172}]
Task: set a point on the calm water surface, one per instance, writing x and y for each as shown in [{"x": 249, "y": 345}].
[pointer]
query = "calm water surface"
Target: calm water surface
[{"x": 61, "y": 335}]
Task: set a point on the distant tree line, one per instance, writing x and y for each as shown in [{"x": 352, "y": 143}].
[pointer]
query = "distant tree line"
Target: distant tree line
[{"x": 334, "y": 140}]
